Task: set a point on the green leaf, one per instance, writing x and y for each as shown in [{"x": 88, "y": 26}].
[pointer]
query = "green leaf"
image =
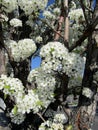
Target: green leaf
[
  {"x": 7, "y": 87},
  {"x": 5, "y": 96},
  {"x": 15, "y": 110},
  {"x": 12, "y": 91},
  {"x": 69, "y": 127},
  {"x": 39, "y": 103},
  {"x": 52, "y": 49}
]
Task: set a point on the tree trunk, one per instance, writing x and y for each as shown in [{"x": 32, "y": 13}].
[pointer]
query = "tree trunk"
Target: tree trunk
[{"x": 85, "y": 113}]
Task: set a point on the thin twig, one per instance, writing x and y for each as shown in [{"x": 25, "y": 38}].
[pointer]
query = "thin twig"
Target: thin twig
[{"x": 41, "y": 117}]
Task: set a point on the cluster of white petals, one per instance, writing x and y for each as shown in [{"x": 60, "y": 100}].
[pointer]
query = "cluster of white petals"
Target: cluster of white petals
[
  {"x": 21, "y": 50},
  {"x": 29, "y": 102},
  {"x": 8, "y": 5},
  {"x": 77, "y": 19},
  {"x": 48, "y": 15},
  {"x": 45, "y": 85},
  {"x": 11, "y": 86},
  {"x": 17, "y": 118},
  {"x": 59, "y": 118},
  {"x": 16, "y": 22},
  {"x": 51, "y": 126},
  {"x": 30, "y": 6},
  {"x": 76, "y": 15},
  {"x": 56, "y": 11},
  {"x": 38, "y": 39},
  {"x": 25, "y": 103},
  {"x": 87, "y": 92},
  {"x": 61, "y": 60}
]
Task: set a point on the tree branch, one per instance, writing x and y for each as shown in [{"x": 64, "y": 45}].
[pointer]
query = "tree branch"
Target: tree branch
[
  {"x": 59, "y": 26},
  {"x": 86, "y": 33},
  {"x": 83, "y": 8},
  {"x": 66, "y": 31}
]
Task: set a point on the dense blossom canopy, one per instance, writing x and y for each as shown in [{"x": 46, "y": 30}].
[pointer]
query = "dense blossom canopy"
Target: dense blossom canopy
[{"x": 28, "y": 27}]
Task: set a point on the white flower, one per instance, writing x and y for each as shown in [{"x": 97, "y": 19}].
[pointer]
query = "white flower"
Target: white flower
[
  {"x": 21, "y": 50},
  {"x": 45, "y": 85},
  {"x": 76, "y": 15},
  {"x": 32, "y": 5},
  {"x": 48, "y": 15},
  {"x": 87, "y": 92},
  {"x": 15, "y": 22},
  {"x": 38, "y": 39},
  {"x": 56, "y": 11},
  {"x": 51, "y": 126},
  {"x": 59, "y": 118},
  {"x": 9, "y": 5},
  {"x": 61, "y": 60},
  {"x": 17, "y": 118},
  {"x": 11, "y": 86},
  {"x": 29, "y": 102}
]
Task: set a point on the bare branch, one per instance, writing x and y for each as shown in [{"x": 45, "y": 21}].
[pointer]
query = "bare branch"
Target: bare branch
[
  {"x": 66, "y": 31},
  {"x": 60, "y": 22},
  {"x": 86, "y": 33},
  {"x": 83, "y": 8}
]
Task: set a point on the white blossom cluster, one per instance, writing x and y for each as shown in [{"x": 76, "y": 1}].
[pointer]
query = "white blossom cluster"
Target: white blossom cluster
[
  {"x": 48, "y": 15},
  {"x": 8, "y": 5},
  {"x": 59, "y": 118},
  {"x": 11, "y": 86},
  {"x": 76, "y": 18},
  {"x": 54, "y": 52},
  {"x": 16, "y": 22},
  {"x": 45, "y": 85},
  {"x": 39, "y": 39},
  {"x": 30, "y": 102},
  {"x": 17, "y": 118},
  {"x": 25, "y": 103},
  {"x": 30, "y": 6},
  {"x": 87, "y": 92},
  {"x": 56, "y": 11},
  {"x": 76, "y": 15},
  {"x": 21, "y": 50},
  {"x": 51, "y": 15},
  {"x": 61, "y": 60},
  {"x": 51, "y": 126}
]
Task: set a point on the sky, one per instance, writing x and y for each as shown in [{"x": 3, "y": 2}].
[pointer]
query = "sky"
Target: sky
[{"x": 36, "y": 60}]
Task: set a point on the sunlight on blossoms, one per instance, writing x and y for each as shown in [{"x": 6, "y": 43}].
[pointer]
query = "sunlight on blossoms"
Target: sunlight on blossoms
[
  {"x": 16, "y": 22},
  {"x": 61, "y": 60}
]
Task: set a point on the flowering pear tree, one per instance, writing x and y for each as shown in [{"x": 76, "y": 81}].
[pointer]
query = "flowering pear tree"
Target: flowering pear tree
[{"x": 61, "y": 93}]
